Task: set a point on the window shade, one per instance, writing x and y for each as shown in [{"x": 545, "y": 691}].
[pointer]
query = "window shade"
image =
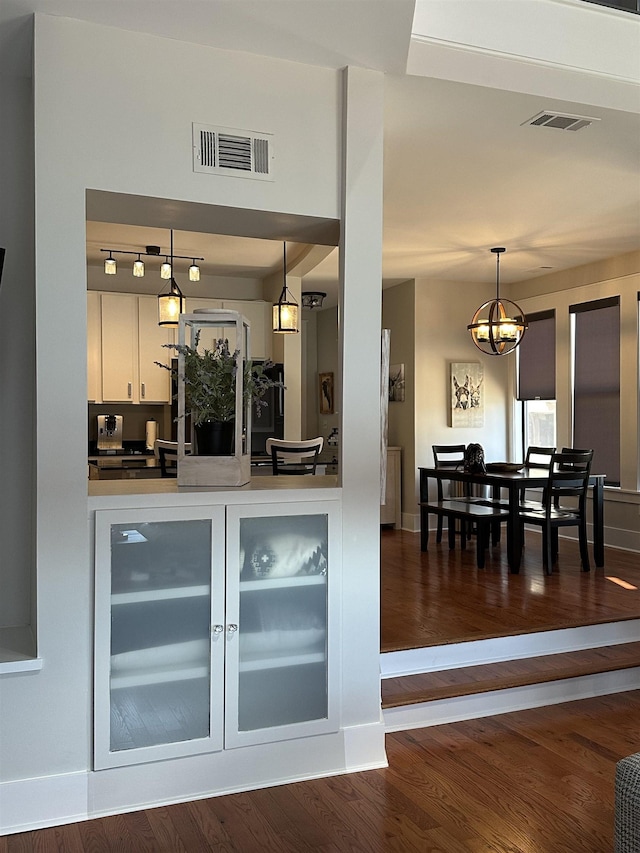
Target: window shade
[
  {"x": 596, "y": 394},
  {"x": 537, "y": 358}
]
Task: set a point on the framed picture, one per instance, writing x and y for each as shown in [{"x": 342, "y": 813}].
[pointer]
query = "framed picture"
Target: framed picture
[
  {"x": 396, "y": 383},
  {"x": 326, "y": 393},
  {"x": 467, "y": 394}
]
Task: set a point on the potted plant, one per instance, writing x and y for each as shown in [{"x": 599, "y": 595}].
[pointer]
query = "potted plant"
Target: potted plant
[{"x": 210, "y": 391}]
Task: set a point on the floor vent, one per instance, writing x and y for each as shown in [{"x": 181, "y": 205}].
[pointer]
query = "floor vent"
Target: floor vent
[
  {"x": 561, "y": 121},
  {"x": 228, "y": 151}
]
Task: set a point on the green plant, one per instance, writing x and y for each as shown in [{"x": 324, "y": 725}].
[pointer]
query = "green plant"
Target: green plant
[{"x": 210, "y": 381}]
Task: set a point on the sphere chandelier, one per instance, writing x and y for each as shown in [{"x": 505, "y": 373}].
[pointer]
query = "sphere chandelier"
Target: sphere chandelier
[{"x": 499, "y": 325}]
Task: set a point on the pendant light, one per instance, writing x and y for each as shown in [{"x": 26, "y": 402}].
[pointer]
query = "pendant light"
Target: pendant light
[
  {"x": 166, "y": 269},
  {"x": 194, "y": 271},
  {"x": 499, "y": 325},
  {"x": 138, "y": 267},
  {"x": 285, "y": 311},
  {"x": 110, "y": 265},
  {"x": 171, "y": 304}
]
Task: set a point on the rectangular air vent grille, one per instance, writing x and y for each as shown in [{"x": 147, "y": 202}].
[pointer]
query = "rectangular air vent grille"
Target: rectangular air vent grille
[
  {"x": 227, "y": 151},
  {"x": 560, "y": 121}
]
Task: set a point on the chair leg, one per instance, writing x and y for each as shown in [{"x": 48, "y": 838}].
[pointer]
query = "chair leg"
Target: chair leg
[
  {"x": 439, "y": 530},
  {"x": 554, "y": 543},
  {"x": 584, "y": 549},
  {"x": 424, "y": 528},
  {"x": 547, "y": 556},
  {"x": 482, "y": 538},
  {"x": 451, "y": 526}
]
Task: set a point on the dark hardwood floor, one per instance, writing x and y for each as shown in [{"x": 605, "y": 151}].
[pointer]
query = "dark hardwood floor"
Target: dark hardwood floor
[
  {"x": 537, "y": 781},
  {"x": 440, "y": 596}
]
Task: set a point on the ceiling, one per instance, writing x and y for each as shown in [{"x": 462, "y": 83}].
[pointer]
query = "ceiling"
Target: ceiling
[{"x": 461, "y": 172}]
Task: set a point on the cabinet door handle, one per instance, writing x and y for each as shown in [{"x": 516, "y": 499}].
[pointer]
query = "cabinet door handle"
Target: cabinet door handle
[
  {"x": 216, "y": 629},
  {"x": 129, "y": 388},
  {"x": 232, "y": 628},
  {"x": 142, "y": 390}
]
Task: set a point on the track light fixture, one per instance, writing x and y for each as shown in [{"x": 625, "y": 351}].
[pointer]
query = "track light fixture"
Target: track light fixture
[
  {"x": 499, "y": 325},
  {"x": 166, "y": 269},
  {"x": 285, "y": 311}
]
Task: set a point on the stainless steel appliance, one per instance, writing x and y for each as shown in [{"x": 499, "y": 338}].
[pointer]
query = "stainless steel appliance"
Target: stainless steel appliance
[{"x": 110, "y": 433}]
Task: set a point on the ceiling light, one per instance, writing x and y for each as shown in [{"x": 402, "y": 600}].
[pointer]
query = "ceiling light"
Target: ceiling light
[
  {"x": 312, "y": 299},
  {"x": 499, "y": 325},
  {"x": 285, "y": 311},
  {"x": 151, "y": 252},
  {"x": 138, "y": 268},
  {"x": 165, "y": 268},
  {"x": 110, "y": 265},
  {"x": 171, "y": 304}
]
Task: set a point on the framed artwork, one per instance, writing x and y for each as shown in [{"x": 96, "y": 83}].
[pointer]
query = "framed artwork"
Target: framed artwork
[
  {"x": 396, "y": 383},
  {"x": 326, "y": 393},
  {"x": 467, "y": 394}
]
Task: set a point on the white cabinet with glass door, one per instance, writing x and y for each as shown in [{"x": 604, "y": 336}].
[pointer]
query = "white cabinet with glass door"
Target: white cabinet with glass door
[
  {"x": 282, "y": 576},
  {"x": 213, "y": 636}
]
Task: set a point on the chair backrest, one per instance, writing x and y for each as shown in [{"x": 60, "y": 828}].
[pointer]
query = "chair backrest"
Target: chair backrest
[
  {"x": 294, "y": 457},
  {"x": 447, "y": 456},
  {"x": 539, "y": 457},
  {"x": 167, "y": 452},
  {"x": 568, "y": 477}
]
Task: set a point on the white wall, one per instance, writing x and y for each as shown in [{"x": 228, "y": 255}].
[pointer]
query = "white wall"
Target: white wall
[
  {"x": 442, "y": 311},
  {"x": 113, "y": 112}
]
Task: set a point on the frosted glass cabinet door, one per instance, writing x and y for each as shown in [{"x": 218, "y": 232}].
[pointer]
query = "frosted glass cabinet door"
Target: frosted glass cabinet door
[
  {"x": 281, "y": 579},
  {"x": 157, "y": 648}
]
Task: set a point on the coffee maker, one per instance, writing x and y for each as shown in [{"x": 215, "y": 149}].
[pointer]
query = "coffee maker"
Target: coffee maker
[{"x": 110, "y": 433}]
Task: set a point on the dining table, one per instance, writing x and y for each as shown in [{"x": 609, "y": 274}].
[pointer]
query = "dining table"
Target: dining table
[{"x": 512, "y": 478}]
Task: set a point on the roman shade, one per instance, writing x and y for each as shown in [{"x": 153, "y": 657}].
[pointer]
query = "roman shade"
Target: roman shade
[
  {"x": 596, "y": 390},
  {"x": 537, "y": 358}
]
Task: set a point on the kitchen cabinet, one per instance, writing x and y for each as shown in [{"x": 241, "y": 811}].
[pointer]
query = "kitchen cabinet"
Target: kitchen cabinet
[
  {"x": 216, "y": 628},
  {"x": 132, "y": 341},
  {"x": 94, "y": 347},
  {"x": 257, "y": 312}
]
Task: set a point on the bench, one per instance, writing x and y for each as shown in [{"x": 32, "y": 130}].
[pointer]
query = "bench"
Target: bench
[{"x": 471, "y": 514}]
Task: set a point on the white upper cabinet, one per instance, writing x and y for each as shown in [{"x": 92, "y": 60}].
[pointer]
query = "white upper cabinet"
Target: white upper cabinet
[
  {"x": 132, "y": 342},
  {"x": 257, "y": 312},
  {"x": 94, "y": 347}
]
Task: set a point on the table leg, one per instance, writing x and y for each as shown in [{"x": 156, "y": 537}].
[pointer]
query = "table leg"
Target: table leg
[
  {"x": 598, "y": 522},
  {"x": 514, "y": 531}
]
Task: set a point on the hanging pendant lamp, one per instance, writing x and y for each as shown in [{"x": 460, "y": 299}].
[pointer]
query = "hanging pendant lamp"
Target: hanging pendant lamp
[
  {"x": 285, "y": 311},
  {"x": 171, "y": 304},
  {"x": 499, "y": 325}
]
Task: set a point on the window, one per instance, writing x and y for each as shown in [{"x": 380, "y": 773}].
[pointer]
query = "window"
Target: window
[
  {"x": 596, "y": 384},
  {"x": 537, "y": 381}
]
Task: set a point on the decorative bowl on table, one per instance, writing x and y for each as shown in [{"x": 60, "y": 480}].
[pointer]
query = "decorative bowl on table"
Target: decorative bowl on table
[{"x": 504, "y": 467}]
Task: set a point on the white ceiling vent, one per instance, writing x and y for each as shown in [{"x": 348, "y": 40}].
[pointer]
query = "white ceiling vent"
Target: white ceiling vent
[
  {"x": 228, "y": 151},
  {"x": 561, "y": 121}
]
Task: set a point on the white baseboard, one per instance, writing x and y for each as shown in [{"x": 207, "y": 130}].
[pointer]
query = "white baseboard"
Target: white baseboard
[
  {"x": 53, "y": 800},
  {"x": 29, "y": 804},
  {"x": 477, "y": 652},
  {"x": 454, "y": 710}
]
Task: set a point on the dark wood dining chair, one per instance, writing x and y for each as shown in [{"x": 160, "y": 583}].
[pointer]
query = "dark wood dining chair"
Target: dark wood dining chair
[
  {"x": 294, "y": 457},
  {"x": 536, "y": 458},
  {"x": 448, "y": 456},
  {"x": 568, "y": 478},
  {"x": 167, "y": 453}
]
